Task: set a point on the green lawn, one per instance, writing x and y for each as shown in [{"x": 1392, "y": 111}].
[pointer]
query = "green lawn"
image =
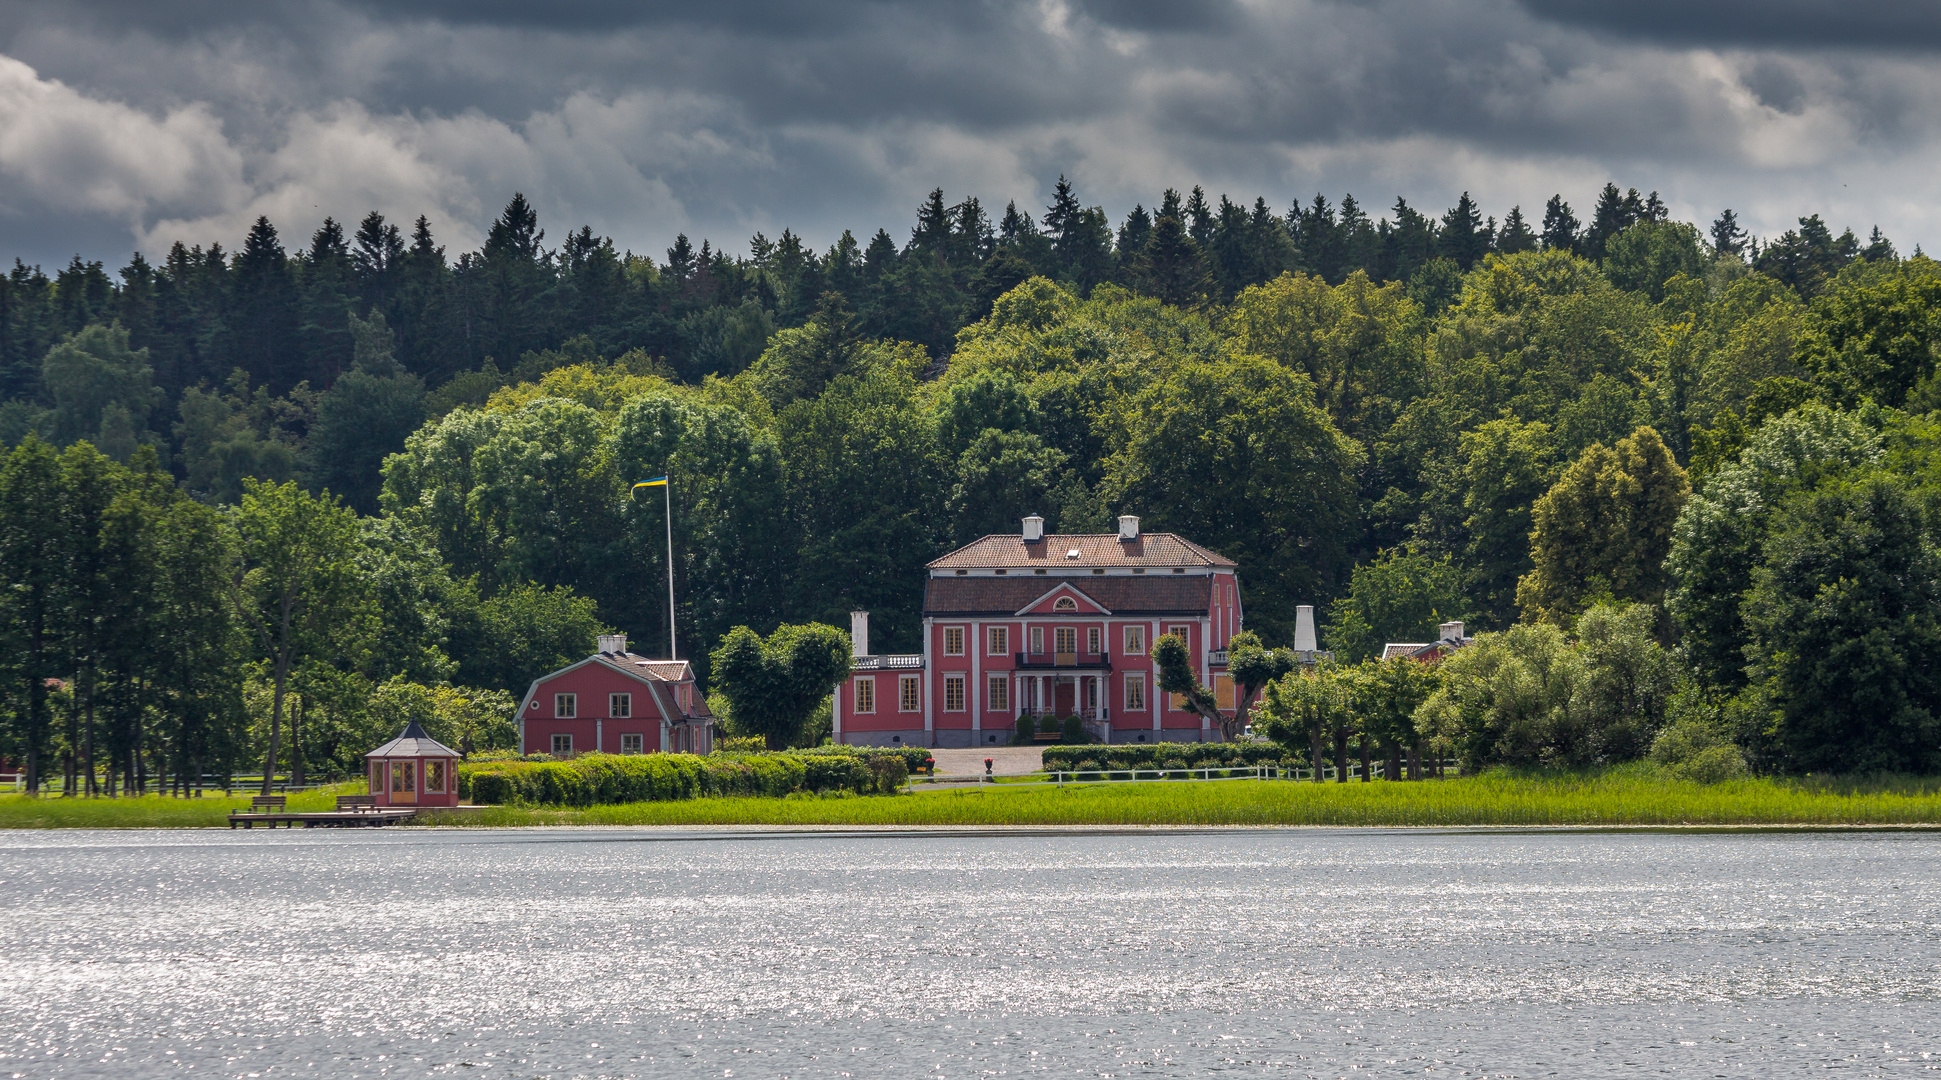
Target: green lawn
[{"x": 1632, "y": 795}]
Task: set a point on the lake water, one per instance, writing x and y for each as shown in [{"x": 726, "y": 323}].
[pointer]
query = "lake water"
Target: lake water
[{"x": 613, "y": 953}]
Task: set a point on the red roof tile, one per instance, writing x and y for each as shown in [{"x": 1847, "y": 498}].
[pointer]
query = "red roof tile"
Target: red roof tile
[
  {"x": 1094, "y": 549},
  {"x": 1121, "y": 595}
]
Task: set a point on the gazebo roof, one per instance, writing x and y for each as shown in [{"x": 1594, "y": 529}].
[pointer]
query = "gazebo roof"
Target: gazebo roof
[{"x": 413, "y": 742}]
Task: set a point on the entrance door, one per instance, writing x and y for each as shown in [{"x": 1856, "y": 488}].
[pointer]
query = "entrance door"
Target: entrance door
[
  {"x": 404, "y": 782},
  {"x": 1062, "y": 698}
]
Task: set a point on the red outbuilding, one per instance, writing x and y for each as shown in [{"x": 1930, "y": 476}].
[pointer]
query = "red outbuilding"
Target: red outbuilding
[
  {"x": 414, "y": 769},
  {"x": 616, "y": 702}
]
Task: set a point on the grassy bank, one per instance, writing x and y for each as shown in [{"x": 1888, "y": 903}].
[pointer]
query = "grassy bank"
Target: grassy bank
[
  {"x": 1633, "y": 796},
  {"x": 146, "y": 811}
]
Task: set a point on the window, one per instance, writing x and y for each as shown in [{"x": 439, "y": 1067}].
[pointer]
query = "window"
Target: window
[
  {"x": 620, "y": 706},
  {"x": 633, "y": 744},
  {"x": 866, "y": 695},
  {"x": 1135, "y": 693},
  {"x": 1184, "y": 633},
  {"x": 1223, "y": 692},
  {"x": 953, "y": 641},
  {"x": 953, "y": 693},
  {"x": 1092, "y": 641},
  {"x": 1000, "y": 694},
  {"x": 909, "y": 693},
  {"x": 1135, "y": 641},
  {"x": 1038, "y": 639},
  {"x": 1066, "y": 639},
  {"x": 377, "y": 777},
  {"x": 1064, "y": 603},
  {"x": 562, "y": 745},
  {"x": 435, "y": 777},
  {"x": 998, "y": 641},
  {"x": 566, "y": 706},
  {"x": 404, "y": 777}
]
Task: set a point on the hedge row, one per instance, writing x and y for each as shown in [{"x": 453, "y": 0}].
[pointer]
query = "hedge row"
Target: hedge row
[
  {"x": 1150, "y": 755},
  {"x": 915, "y": 759},
  {"x": 594, "y": 779}
]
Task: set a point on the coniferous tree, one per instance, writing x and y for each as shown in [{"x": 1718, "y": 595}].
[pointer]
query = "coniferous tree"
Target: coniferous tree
[
  {"x": 1133, "y": 235},
  {"x": 1463, "y": 239},
  {"x": 262, "y": 329},
  {"x": 1515, "y": 235},
  {"x": 1727, "y": 237},
  {"x": 1198, "y": 218},
  {"x": 1559, "y": 226},
  {"x": 1171, "y": 268}
]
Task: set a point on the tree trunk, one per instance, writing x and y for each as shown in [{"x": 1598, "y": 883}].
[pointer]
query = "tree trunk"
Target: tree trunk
[
  {"x": 1340, "y": 755},
  {"x": 1392, "y": 765},
  {"x": 1366, "y": 774},
  {"x": 276, "y": 729},
  {"x": 296, "y": 742},
  {"x": 87, "y": 738},
  {"x": 1319, "y": 772}
]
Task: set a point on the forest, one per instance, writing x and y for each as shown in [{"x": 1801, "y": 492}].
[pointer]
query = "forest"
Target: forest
[{"x": 267, "y": 504}]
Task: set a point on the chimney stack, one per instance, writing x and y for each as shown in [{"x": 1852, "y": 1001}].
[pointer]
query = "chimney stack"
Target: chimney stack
[
  {"x": 1304, "y": 629},
  {"x": 859, "y": 633},
  {"x": 613, "y": 643},
  {"x": 1128, "y": 527},
  {"x": 1451, "y": 631},
  {"x": 1034, "y": 529}
]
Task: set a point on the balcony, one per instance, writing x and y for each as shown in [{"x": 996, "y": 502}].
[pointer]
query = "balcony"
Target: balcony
[
  {"x": 1218, "y": 658},
  {"x": 1072, "y": 661}
]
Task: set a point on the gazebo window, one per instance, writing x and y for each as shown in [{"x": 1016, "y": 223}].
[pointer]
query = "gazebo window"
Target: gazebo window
[
  {"x": 435, "y": 777},
  {"x": 404, "y": 777}
]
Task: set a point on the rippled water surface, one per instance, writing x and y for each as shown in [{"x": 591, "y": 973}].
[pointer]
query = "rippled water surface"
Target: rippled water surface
[{"x": 601, "y": 953}]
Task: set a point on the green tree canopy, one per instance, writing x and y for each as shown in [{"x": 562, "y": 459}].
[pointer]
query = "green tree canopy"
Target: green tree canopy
[{"x": 775, "y": 685}]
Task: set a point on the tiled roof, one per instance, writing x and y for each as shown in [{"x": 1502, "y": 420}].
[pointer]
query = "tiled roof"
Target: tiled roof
[
  {"x": 413, "y": 742},
  {"x": 635, "y": 664},
  {"x": 1161, "y": 594},
  {"x": 1101, "y": 549}
]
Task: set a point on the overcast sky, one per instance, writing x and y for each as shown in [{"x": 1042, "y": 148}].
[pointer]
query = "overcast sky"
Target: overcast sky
[{"x": 128, "y": 124}]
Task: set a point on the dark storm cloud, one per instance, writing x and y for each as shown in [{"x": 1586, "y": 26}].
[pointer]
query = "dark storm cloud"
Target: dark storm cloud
[
  {"x": 1809, "y": 24},
  {"x": 720, "y": 119}
]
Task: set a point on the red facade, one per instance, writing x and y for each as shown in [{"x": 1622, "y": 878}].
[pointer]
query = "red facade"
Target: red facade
[
  {"x": 1059, "y": 625},
  {"x": 615, "y": 702}
]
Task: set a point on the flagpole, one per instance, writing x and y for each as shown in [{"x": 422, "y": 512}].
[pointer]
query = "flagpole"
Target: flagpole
[{"x": 667, "y": 490}]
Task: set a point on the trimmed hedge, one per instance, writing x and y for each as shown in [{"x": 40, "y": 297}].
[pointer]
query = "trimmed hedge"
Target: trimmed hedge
[
  {"x": 915, "y": 759},
  {"x": 1150, "y": 755},
  {"x": 599, "y": 779}
]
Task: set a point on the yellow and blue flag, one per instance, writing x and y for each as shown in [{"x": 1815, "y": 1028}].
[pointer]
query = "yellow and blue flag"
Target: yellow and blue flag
[{"x": 658, "y": 481}]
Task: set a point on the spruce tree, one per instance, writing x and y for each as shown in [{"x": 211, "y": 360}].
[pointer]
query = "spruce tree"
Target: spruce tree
[
  {"x": 1515, "y": 235},
  {"x": 1559, "y": 226},
  {"x": 1462, "y": 238},
  {"x": 1199, "y": 218},
  {"x": 1727, "y": 237}
]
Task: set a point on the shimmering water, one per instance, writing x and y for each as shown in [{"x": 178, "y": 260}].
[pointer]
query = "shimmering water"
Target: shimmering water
[{"x": 602, "y": 953}]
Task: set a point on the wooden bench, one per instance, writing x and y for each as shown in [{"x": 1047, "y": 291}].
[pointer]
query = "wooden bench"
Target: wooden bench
[
  {"x": 358, "y": 803},
  {"x": 1047, "y": 736},
  {"x": 268, "y": 804}
]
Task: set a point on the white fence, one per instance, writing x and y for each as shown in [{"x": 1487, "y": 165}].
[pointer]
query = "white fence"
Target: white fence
[{"x": 1157, "y": 774}]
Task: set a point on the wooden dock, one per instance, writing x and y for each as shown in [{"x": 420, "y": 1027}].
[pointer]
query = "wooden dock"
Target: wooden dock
[{"x": 324, "y": 819}]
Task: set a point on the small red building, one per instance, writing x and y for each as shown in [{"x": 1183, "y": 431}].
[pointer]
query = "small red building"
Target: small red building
[
  {"x": 615, "y": 702},
  {"x": 414, "y": 769},
  {"x": 1035, "y": 624}
]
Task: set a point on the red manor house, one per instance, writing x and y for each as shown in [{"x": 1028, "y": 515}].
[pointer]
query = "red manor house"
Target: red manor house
[
  {"x": 617, "y": 703},
  {"x": 1031, "y": 624}
]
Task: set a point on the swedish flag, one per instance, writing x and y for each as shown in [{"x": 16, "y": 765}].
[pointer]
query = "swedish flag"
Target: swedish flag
[{"x": 658, "y": 481}]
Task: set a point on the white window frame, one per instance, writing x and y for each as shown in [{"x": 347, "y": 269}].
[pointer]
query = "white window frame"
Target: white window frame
[
  {"x": 909, "y": 693},
  {"x": 562, "y": 744},
  {"x": 997, "y": 692},
  {"x": 865, "y": 695},
  {"x": 1064, "y": 603},
  {"x": 566, "y": 706},
  {"x": 997, "y": 641},
  {"x": 1058, "y": 635},
  {"x": 620, "y": 706},
  {"x": 1037, "y": 640},
  {"x": 444, "y": 770},
  {"x": 1134, "y": 641},
  {"x": 1135, "y": 692},
  {"x": 1094, "y": 640},
  {"x": 953, "y": 635},
  {"x": 633, "y": 743},
  {"x": 954, "y": 685}
]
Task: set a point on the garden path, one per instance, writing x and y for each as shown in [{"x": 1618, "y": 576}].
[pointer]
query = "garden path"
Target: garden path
[{"x": 1005, "y": 760}]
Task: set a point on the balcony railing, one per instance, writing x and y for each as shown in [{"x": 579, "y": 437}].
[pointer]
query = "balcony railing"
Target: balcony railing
[
  {"x": 1217, "y": 657},
  {"x": 1075, "y": 660}
]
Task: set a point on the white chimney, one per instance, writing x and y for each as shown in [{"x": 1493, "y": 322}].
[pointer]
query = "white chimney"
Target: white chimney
[
  {"x": 1128, "y": 527},
  {"x": 1304, "y": 629},
  {"x": 1451, "y": 631},
  {"x": 1034, "y": 529},
  {"x": 859, "y": 633},
  {"x": 613, "y": 643}
]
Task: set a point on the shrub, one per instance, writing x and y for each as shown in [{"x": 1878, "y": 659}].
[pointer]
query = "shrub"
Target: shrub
[
  {"x": 889, "y": 773},
  {"x": 1697, "y": 750},
  {"x": 1024, "y": 731},
  {"x": 1147, "y": 755},
  {"x": 1074, "y": 732},
  {"x": 1049, "y": 724},
  {"x": 1086, "y": 766},
  {"x": 830, "y": 772},
  {"x": 1173, "y": 763},
  {"x": 743, "y": 744}
]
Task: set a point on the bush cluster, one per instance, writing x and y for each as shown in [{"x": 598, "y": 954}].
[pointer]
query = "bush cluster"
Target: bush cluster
[
  {"x": 915, "y": 759},
  {"x": 1157, "y": 755},
  {"x": 598, "y": 779}
]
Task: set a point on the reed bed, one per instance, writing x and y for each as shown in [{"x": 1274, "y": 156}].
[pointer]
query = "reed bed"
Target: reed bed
[
  {"x": 1629, "y": 796},
  {"x": 147, "y": 811}
]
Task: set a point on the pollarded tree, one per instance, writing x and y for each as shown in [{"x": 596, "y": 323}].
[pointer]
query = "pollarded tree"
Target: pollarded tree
[
  {"x": 1605, "y": 528},
  {"x": 1388, "y": 694},
  {"x": 774, "y": 686},
  {"x": 1306, "y": 706},
  {"x": 1251, "y": 664}
]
